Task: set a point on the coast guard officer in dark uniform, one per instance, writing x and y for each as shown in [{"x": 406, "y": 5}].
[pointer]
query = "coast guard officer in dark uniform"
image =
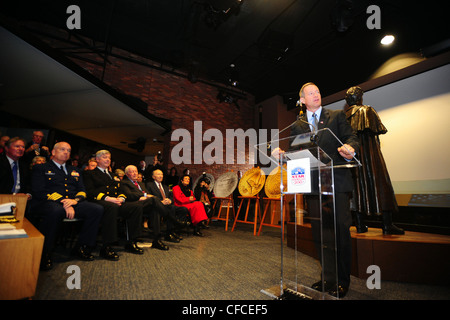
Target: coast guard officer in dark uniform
[
  {"x": 103, "y": 188},
  {"x": 58, "y": 193}
]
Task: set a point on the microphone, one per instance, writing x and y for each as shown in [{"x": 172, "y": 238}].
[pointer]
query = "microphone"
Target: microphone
[{"x": 300, "y": 117}]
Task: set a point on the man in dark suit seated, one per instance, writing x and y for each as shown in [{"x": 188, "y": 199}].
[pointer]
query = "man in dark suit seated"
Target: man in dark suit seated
[
  {"x": 103, "y": 188},
  {"x": 161, "y": 191},
  {"x": 58, "y": 193},
  {"x": 136, "y": 191},
  {"x": 13, "y": 170}
]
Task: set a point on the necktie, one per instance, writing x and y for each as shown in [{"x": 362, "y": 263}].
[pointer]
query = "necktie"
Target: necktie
[
  {"x": 137, "y": 185},
  {"x": 315, "y": 122},
  {"x": 14, "y": 172},
  {"x": 162, "y": 191},
  {"x": 63, "y": 169},
  {"x": 107, "y": 173}
]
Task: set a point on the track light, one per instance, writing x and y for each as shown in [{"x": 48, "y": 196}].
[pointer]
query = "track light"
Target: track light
[{"x": 387, "y": 40}]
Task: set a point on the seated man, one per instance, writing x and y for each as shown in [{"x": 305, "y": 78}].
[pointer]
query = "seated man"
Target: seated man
[
  {"x": 103, "y": 187},
  {"x": 136, "y": 191},
  {"x": 58, "y": 193},
  {"x": 161, "y": 191},
  {"x": 13, "y": 170}
]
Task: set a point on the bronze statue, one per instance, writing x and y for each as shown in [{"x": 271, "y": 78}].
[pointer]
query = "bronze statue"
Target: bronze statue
[{"x": 373, "y": 193}]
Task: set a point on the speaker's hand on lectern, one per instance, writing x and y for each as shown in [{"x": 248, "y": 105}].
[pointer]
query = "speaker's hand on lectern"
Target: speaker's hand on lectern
[
  {"x": 346, "y": 151},
  {"x": 276, "y": 153}
]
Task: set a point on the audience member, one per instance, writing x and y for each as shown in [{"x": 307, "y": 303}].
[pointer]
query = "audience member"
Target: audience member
[
  {"x": 141, "y": 167},
  {"x": 58, "y": 193},
  {"x": 119, "y": 173},
  {"x": 103, "y": 187},
  {"x": 37, "y": 160},
  {"x": 204, "y": 195},
  {"x": 162, "y": 192},
  {"x": 36, "y": 147},
  {"x": 13, "y": 170},
  {"x": 3, "y": 140},
  {"x": 157, "y": 164},
  {"x": 153, "y": 208},
  {"x": 172, "y": 179},
  {"x": 183, "y": 197},
  {"x": 91, "y": 165}
]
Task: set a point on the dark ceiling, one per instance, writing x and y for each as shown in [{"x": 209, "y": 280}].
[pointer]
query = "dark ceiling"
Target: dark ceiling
[{"x": 275, "y": 45}]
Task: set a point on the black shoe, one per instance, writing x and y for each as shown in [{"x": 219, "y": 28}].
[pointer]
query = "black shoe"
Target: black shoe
[
  {"x": 108, "y": 253},
  {"x": 392, "y": 229},
  {"x": 339, "y": 292},
  {"x": 322, "y": 287},
  {"x": 176, "y": 235},
  {"x": 171, "y": 238},
  {"x": 83, "y": 253},
  {"x": 361, "y": 228},
  {"x": 157, "y": 244},
  {"x": 197, "y": 233},
  {"x": 203, "y": 225},
  {"x": 46, "y": 263},
  {"x": 132, "y": 247}
]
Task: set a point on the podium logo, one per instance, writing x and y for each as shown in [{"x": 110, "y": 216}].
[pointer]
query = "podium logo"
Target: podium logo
[{"x": 298, "y": 176}]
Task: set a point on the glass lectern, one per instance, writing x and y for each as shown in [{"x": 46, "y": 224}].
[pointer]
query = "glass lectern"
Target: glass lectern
[{"x": 309, "y": 171}]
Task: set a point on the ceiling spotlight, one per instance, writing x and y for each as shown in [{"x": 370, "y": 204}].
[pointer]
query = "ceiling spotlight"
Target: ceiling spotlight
[{"x": 387, "y": 40}]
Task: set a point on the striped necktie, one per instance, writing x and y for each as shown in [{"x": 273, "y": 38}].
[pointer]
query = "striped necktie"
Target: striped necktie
[
  {"x": 161, "y": 190},
  {"x": 137, "y": 185},
  {"x": 315, "y": 122},
  {"x": 14, "y": 172}
]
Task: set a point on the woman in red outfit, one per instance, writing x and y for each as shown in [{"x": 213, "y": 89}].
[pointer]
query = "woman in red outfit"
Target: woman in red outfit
[{"x": 184, "y": 197}]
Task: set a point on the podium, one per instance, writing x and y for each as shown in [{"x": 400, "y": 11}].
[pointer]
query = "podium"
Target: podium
[{"x": 310, "y": 172}]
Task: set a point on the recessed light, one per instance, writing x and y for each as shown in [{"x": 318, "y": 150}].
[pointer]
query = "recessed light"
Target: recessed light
[{"x": 387, "y": 40}]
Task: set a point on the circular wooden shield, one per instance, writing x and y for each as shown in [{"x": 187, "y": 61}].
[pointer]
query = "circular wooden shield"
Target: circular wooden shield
[
  {"x": 272, "y": 187},
  {"x": 225, "y": 184},
  {"x": 210, "y": 178},
  {"x": 252, "y": 182}
]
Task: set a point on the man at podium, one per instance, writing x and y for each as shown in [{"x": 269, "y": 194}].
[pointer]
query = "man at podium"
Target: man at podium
[{"x": 315, "y": 118}]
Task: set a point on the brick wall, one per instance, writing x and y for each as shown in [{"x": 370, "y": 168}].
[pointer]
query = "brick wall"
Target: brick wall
[{"x": 174, "y": 98}]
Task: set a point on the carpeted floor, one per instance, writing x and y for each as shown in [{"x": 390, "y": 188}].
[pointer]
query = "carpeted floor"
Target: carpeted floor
[{"x": 223, "y": 265}]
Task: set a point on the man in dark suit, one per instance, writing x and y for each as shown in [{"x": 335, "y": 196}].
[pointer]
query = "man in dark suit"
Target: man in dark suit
[
  {"x": 13, "y": 170},
  {"x": 161, "y": 191},
  {"x": 317, "y": 118},
  {"x": 103, "y": 188},
  {"x": 58, "y": 193}
]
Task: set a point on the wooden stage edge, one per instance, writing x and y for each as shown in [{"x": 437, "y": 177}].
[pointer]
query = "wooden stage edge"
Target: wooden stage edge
[{"x": 413, "y": 257}]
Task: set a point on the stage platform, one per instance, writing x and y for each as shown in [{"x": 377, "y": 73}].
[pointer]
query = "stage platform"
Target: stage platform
[{"x": 413, "y": 257}]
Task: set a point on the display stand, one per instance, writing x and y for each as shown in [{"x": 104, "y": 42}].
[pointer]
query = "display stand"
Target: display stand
[
  {"x": 257, "y": 215},
  {"x": 310, "y": 172},
  {"x": 272, "y": 202},
  {"x": 229, "y": 205}
]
